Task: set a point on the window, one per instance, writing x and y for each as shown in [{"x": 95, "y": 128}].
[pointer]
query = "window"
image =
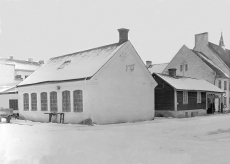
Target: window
[
  {"x": 53, "y": 102},
  {"x": 66, "y": 101},
  {"x": 225, "y": 100},
  {"x": 64, "y": 64},
  {"x": 181, "y": 68},
  {"x": 219, "y": 84},
  {"x": 225, "y": 85},
  {"x": 44, "y": 101},
  {"x": 78, "y": 101},
  {"x": 33, "y": 101},
  {"x": 13, "y": 104},
  {"x": 185, "y": 97},
  {"x": 26, "y": 101},
  {"x": 26, "y": 76},
  {"x": 186, "y": 67},
  {"x": 198, "y": 97}
]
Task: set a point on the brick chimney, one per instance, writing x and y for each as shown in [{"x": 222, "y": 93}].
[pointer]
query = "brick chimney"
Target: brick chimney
[
  {"x": 201, "y": 39},
  {"x": 148, "y": 64},
  {"x": 172, "y": 72},
  {"x": 123, "y": 35}
]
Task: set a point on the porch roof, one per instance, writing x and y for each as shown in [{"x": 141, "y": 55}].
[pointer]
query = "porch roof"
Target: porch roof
[{"x": 190, "y": 84}]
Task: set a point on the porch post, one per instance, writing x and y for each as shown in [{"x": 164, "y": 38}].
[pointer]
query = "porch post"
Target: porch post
[{"x": 175, "y": 99}]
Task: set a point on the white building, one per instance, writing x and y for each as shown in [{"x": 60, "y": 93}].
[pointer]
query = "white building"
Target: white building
[
  {"x": 108, "y": 84},
  {"x": 12, "y": 72},
  {"x": 219, "y": 55},
  {"x": 191, "y": 63}
]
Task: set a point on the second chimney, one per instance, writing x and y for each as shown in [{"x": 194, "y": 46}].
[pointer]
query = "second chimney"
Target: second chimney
[
  {"x": 148, "y": 64},
  {"x": 30, "y": 59},
  {"x": 172, "y": 72},
  {"x": 123, "y": 35}
]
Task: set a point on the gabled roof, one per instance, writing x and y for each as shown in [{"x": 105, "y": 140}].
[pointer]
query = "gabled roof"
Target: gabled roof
[
  {"x": 21, "y": 64},
  {"x": 223, "y": 53},
  {"x": 76, "y": 66},
  {"x": 157, "y": 68},
  {"x": 213, "y": 66},
  {"x": 189, "y": 84}
]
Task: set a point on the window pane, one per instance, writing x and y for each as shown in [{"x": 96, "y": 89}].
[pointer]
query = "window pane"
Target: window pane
[
  {"x": 33, "y": 101},
  {"x": 53, "y": 102},
  {"x": 26, "y": 101},
  {"x": 225, "y": 85},
  {"x": 44, "y": 106},
  {"x": 78, "y": 101},
  {"x": 66, "y": 101}
]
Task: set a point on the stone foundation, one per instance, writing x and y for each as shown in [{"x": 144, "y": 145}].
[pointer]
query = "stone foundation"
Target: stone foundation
[{"x": 180, "y": 114}]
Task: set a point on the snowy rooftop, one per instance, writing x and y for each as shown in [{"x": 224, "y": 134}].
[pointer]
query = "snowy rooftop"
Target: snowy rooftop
[
  {"x": 21, "y": 64},
  {"x": 78, "y": 65},
  {"x": 158, "y": 68},
  {"x": 7, "y": 88},
  {"x": 213, "y": 66},
  {"x": 191, "y": 84}
]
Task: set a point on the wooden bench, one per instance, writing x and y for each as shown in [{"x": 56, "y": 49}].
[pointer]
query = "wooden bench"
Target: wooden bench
[{"x": 55, "y": 114}]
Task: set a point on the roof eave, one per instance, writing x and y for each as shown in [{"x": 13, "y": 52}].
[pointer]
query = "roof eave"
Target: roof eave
[{"x": 55, "y": 81}]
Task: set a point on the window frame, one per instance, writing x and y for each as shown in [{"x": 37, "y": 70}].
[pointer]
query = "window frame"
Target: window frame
[
  {"x": 33, "y": 101},
  {"x": 78, "y": 101},
  {"x": 66, "y": 103},
  {"x": 219, "y": 84},
  {"x": 185, "y": 97},
  {"x": 181, "y": 68},
  {"x": 53, "y": 102},
  {"x": 199, "y": 100},
  {"x": 225, "y": 100},
  {"x": 26, "y": 103},
  {"x": 186, "y": 67},
  {"x": 44, "y": 101},
  {"x": 225, "y": 85}
]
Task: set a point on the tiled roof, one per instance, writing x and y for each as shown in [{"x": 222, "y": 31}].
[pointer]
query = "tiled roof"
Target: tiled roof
[
  {"x": 157, "y": 68},
  {"x": 21, "y": 64},
  {"x": 189, "y": 84},
  {"x": 224, "y": 54},
  {"x": 213, "y": 66},
  {"x": 79, "y": 65}
]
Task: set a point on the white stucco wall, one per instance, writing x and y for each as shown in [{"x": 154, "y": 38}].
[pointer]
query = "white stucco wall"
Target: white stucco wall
[
  {"x": 4, "y": 99},
  {"x": 7, "y": 74},
  {"x": 114, "y": 95},
  {"x": 123, "y": 95},
  {"x": 196, "y": 67},
  {"x": 70, "y": 117}
]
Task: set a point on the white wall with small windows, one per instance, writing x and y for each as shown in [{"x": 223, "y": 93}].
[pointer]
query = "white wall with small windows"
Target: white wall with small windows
[
  {"x": 121, "y": 91},
  {"x": 70, "y": 98},
  {"x": 224, "y": 84},
  {"x": 190, "y": 65}
]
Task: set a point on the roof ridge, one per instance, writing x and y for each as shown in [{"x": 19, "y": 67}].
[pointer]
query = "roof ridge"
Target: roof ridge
[
  {"x": 160, "y": 63},
  {"x": 88, "y": 50},
  {"x": 179, "y": 76}
]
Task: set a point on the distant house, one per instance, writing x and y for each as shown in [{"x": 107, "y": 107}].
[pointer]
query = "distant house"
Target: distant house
[
  {"x": 178, "y": 96},
  {"x": 103, "y": 84},
  {"x": 12, "y": 72},
  {"x": 219, "y": 55},
  {"x": 191, "y": 63}
]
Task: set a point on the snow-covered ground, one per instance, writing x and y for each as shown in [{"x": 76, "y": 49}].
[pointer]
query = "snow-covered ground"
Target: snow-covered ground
[{"x": 197, "y": 140}]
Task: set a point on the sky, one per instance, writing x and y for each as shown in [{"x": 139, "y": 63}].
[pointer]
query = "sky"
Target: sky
[{"x": 41, "y": 29}]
